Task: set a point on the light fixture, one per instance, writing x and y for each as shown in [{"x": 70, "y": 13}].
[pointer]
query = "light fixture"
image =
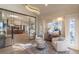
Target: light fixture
[
  {"x": 14, "y": 16},
  {"x": 46, "y": 5},
  {"x": 32, "y": 9},
  {"x": 60, "y": 19}
]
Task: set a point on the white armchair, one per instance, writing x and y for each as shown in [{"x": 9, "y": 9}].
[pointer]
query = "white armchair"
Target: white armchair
[{"x": 59, "y": 44}]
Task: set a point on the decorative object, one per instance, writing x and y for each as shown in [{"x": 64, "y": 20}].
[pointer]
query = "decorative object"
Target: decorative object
[{"x": 40, "y": 42}]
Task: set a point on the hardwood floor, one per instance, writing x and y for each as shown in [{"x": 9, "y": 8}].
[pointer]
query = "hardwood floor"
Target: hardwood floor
[
  {"x": 23, "y": 39},
  {"x": 33, "y": 50}
]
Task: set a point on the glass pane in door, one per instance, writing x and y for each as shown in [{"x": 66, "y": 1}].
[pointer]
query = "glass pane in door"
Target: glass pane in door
[{"x": 72, "y": 31}]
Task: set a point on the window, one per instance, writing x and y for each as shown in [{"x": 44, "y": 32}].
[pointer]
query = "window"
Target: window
[
  {"x": 55, "y": 26},
  {"x": 72, "y": 30}
]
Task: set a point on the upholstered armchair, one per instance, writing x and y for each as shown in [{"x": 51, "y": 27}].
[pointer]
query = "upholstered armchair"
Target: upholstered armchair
[
  {"x": 59, "y": 44},
  {"x": 40, "y": 41}
]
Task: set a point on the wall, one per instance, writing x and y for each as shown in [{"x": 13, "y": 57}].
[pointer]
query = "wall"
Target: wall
[
  {"x": 67, "y": 16},
  {"x": 50, "y": 17}
]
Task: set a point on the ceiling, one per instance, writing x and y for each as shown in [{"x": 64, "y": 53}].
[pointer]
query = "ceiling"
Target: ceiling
[{"x": 56, "y": 8}]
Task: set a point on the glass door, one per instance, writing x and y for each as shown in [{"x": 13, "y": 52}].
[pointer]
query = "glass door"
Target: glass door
[
  {"x": 72, "y": 25},
  {"x": 32, "y": 28},
  {"x": 15, "y": 23}
]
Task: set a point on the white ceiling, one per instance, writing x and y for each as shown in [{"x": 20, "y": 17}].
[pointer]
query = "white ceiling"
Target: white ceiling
[
  {"x": 56, "y": 8},
  {"x": 17, "y": 8}
]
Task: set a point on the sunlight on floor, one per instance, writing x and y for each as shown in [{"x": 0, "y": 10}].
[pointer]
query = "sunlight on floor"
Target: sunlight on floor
[{"x": 20, "y": 46}]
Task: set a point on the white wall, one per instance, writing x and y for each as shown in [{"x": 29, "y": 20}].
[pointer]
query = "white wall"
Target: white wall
[
  {"x": 67, "y": 16},
  {"x": 54, "y": 15}
]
